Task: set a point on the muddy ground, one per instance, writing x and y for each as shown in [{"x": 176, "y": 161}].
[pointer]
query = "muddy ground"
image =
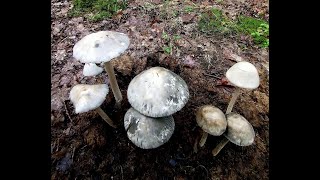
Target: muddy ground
[{"x": 83, "y": 146}]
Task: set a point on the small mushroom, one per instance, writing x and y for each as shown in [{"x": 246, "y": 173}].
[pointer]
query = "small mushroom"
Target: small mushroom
[
  {"x": 211, "y": 120},
  {"x": 157, "y": 92},
  {"x": 91, "y": 69},
  {"x": 239, "y": 131},
  {"x": 88, "y": 97},
  {"x": 103, "y": 46},
  {"x": 147, "y": 132},
  {"x": 243, "y": 75}
]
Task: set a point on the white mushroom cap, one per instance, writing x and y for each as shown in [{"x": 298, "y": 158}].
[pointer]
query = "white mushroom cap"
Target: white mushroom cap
[
  {"x": 88, "y": 97},
  {"x": 147, "y": 132},
  {"x": 101, "y": 46},
  {"x": 157, "y": 92},
  {"x": 91, "y": 69},
  {"x": 244, "y": 75},
  {"x": 239, "y": 130},
  {"x": 211, "y": 119}
]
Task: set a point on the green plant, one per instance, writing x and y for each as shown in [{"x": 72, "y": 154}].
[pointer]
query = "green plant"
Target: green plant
[
  {"x": 99, "y": 9},
  {"x": 188, "y": 9},
  {"x": 168, "y": 49}
]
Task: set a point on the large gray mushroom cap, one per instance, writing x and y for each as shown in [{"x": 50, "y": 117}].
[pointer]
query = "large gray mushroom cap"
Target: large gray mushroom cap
[
  {"x": 87, "y": 97},
  {"x": 211, "y": 119},
  {"x": 147, "y": 132},
  {"x": 158, "y": 92},
  {"x": 244, "y": 75},
  {"x": 239, "y": 130},
  {"x": 100, "y": 47}
]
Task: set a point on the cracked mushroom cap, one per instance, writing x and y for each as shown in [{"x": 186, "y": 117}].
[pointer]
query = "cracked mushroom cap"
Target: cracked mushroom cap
[
  {"x": 157, "y": 92},
  {"x": 91, "y": 69},
  {"x": 244, "y": 75},
  {"x": 88, "y": 97},
  {"x": 239, "y": 130},
  {"x": 100, "y": 47},
  {"x": 147, "y": 132},
  {"x": 211, "y": 119}
]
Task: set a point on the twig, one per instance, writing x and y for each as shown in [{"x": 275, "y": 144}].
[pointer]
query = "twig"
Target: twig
[
  {"x": 212, "y": 75},
  {"x": 67, "y": 111},
  {"x": 203, "y": 168},
  {"x": 121, "y": 172}
]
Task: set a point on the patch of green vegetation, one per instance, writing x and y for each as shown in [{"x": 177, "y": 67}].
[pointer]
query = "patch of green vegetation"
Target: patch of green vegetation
[
  {"x": 170, "y": 40},
  {"x": 215, "y": 21},
  {"x": 189, "y": 9},
  {"x": 99, "y": 9}
]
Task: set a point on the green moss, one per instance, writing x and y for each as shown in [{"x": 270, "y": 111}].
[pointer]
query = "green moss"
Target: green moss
[{"x": 100, "y": 9}]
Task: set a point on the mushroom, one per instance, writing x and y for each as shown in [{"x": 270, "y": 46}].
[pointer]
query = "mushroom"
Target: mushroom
[
  {"x": 88, "y": 97},
  {"x": 239, "y": 131},
  {"x": 243, "y": 75},
  {"x": 211, "y": 120},
  {"x": 91, "y": 69},
  {"x": 147, "y": 132},
  {"x": 103, "y": 46},
  {"x": 157, "y": 92}
]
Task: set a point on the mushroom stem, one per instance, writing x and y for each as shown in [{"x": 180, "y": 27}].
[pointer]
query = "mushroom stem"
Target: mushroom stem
[
  {"x": 235, "y": 95},
  {"x": 203, "y": 138},
  {"x": 113, "y": 82},
  {"x": 218, "y": 148},
  {"x": 105, "y": 117}
]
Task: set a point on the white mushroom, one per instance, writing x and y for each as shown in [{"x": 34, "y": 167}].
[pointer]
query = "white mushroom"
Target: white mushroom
[
  {"x": 147, "y": 132},
  {"x": 239, "y": 131},
  {"x": 157, "y": 92},
  {"x": 211, "y": 120},
  {"x": 103, "y": 46},
  {"x": 91, "y": 69},
  {"x": 89, "y": 97},
  {"x": 243, "y": 75}
]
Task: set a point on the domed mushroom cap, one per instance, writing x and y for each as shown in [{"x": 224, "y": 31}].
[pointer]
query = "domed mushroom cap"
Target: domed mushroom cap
[
  {"x": 91, "y": 69},
  {"x": 157, "y": 92},
  {"x": 88, "y": 97},
  {"x": 147, "y": 132},
  {"x": 101, "y": 46},
  {"x": 239, "y": 130},
  {"x": 211, "y": 119},
  {"x": 244, "y": 75}
]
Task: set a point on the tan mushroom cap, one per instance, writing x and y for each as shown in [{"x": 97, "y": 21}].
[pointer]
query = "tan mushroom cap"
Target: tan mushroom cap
[
  {"x": 88, "y": 97},
  {"x": 158, "y": 92},
  {"x": 211, "y": 119},
  {"x": 147, "y": 132},
  {"x": 244, "y": 75},
  {"x": 101, "y": 46},
  {"x": 239, "y": 130}
]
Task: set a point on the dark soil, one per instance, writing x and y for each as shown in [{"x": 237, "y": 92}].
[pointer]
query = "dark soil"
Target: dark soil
[{"x": 83, "y": 146}]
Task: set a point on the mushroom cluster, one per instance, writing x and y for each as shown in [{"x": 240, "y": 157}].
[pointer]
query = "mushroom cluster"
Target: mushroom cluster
[{"x": 154, "y": 95}]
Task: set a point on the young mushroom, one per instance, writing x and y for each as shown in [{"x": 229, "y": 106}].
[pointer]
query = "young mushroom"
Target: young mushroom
[
  {"x": 239, "y": 131},
  {"x": 147, "y": 132},
  {"x": 91, "y": 69},
  {"x": 103, "y": 46},
  {"x": 88, "y": 97},
  {"x": 243, "y": 75},
  {"x": 157, "y": 92},
  {"x": 211, "y": 120}
]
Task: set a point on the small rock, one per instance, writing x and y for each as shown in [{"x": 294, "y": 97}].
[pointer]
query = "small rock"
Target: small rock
[
  {"x": 123, "y": 64},
  {"x": 172, "y": 162}
]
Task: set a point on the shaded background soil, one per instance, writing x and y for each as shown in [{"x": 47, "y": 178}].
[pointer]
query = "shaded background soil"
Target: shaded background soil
[{"x": 83, "y": 146}]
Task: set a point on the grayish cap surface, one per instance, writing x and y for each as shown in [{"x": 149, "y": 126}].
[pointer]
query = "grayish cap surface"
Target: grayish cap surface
[
  {"x": 147, "y": 132},
  {"x": 91, "y": 69},
  {"x": 239, "y": 130},
  {"x": 101, "y": 46},
  {"x": 244, "y": 75},
  {"x": 157, "y": 92},
  {"x": 211, "y": 119},
  {"x": 88, "y": 97}
]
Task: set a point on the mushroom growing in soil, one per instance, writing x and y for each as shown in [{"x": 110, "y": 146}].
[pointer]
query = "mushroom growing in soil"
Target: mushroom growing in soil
[
  {"x": 147, "y": 132},
  {"x": 239, "y": 131},
  {"x": 103, "y": 46},
  {"x": 91, "y": 69},
  {"x": 157, "y": 92},
  {"x": 211, "y": 120},
  {"x": 242, "y": 75},
  {"x": 88, "y": 97}
]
